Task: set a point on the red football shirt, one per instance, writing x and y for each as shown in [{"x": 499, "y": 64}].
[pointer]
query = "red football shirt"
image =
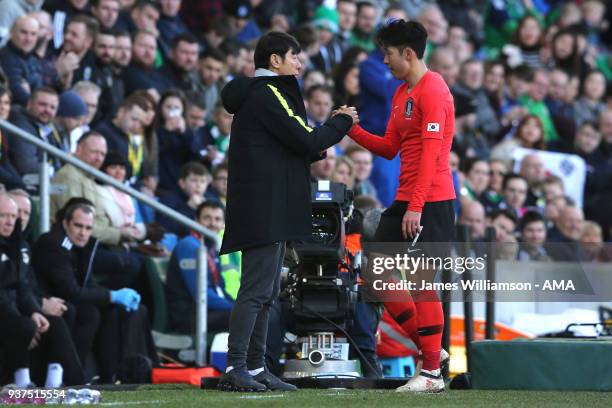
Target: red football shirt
[{"x": 420, "y": 128}]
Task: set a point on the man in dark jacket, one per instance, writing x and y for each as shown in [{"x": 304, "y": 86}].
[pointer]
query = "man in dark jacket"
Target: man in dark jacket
[
  {"x": 36, "y": 119},
  {"x": 17, "y": 59},
  {"x": 268, "y": 199},
  {"x": 34, "y": 338},
  {"x": 63, "y": 260}
]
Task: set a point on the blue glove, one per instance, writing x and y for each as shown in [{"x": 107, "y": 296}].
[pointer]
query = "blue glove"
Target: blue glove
[{"x": 129, "y": 298}]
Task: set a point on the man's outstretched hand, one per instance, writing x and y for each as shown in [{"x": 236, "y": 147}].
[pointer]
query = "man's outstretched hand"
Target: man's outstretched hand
[{"x": 349, "y": 110}]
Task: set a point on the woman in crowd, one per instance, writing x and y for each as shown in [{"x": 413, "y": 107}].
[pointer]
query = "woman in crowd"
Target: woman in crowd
[{"x": 530, "y": 135}]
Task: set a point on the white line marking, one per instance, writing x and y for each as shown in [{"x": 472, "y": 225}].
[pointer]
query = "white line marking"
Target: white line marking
[
  {"x": 262, "y": 396},
  {"x": 131, "y": 402}
]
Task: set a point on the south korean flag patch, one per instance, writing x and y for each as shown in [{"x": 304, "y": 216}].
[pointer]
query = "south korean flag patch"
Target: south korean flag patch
[{"x": 433, "y": 127}]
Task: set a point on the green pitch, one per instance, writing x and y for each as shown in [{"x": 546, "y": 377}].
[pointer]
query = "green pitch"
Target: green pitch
[{"x": 185, "y": 397}]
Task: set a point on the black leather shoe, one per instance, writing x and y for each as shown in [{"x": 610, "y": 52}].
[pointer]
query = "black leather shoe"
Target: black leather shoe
[
  {"x": 240, "y": 381},
  {"x": 273, "y": 383}
]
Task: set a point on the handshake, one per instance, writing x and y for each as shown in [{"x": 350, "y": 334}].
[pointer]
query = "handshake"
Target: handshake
[
  {"x": 349, "y": 110},
  {"x": 128, "y": 298}
]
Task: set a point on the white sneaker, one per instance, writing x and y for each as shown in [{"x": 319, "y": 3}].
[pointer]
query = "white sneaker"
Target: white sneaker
[{"x": 423, "y": 383}]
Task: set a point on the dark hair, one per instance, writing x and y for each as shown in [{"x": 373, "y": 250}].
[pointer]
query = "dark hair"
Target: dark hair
[
  {"x": 588, "y": 123},
  {"x": 402, "y": 34},
  {"x": 184, "y": 37},
  {"x": 530, "y": 217},
  {"x": 319, "y": 88},
  {"x": 91, "y": 24},
  {"x": 213, "y": 53},
  {"x": 141, "y": 4},
  {"x": 362, "y": 4},
  {"x": 171, "y": 93},
  {"x": 592, "y": 72},
  {"x": 194, "y": 98},
  {"x": 220, "y": 167},
  {"x": 4, "y": 90},
  {"x": 522, "y": 72},
  {"x": 516, "y": 37},
  {"x": 470, "y": 163},
  {"x": 87, "y": 135},
  {"x": 193, "y": 167},
  {"x": 43, "y": 89},
  {"x": 123, "y": 33},
  {"x": 221, "y": 26},
  {"x": 134, "y": 100},
  {"x": 306, "y": 35},
  {"x": 504, "y": 212},
  {"x": 339, "y": 76},
  {"x": 69, "y": 213},
  {"x": 209, "y": 204},
  {"x": 274, "y": 42},
  {"x": 96, "y": 3},
  {"x": 62, "y": 213},
  {"x": 511, "y": 176},
  {"x": 232, "y": 47},
  {"x": 540, "y": 144},
  {"x": 106, "y": 31}
]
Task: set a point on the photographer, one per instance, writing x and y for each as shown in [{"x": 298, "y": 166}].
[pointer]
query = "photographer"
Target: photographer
[{"x": 268, "y": 200}]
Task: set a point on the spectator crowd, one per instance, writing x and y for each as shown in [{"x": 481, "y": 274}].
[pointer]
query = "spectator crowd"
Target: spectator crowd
[{"x": 132, "y": 88}]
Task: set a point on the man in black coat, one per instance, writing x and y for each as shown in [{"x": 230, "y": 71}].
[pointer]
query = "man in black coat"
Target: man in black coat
[
  {"x": 37, "y": 119},
  {"x": 268, "y": 199},
  {"x": 63, "y": 259},
  {"x": 30, "y": 339}
]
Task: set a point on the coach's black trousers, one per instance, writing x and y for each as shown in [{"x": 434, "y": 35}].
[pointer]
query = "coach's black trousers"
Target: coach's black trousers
[{"x": 259, "y": 287}]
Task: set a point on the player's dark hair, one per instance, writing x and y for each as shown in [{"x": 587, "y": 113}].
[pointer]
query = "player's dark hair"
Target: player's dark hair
[
  {"x": 274, "y": 42},
  {"x": 403, "y": 34}
]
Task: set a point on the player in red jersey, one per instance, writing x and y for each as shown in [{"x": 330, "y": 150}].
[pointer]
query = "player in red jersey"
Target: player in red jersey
[{"x": 420, "y": 129}]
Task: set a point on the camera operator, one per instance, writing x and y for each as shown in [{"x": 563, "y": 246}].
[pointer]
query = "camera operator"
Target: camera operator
[{"x": 268, "y": 198}]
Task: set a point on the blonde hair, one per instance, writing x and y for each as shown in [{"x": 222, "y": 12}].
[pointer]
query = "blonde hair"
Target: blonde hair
[{"x": 590, "y": 227}]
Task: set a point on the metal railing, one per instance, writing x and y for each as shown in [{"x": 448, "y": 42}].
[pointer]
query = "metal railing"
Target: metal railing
[{"x": 44, "y": 193}]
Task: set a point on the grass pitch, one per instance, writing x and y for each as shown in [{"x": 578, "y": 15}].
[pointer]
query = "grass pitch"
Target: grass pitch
[{"x": 181, "y": 396}]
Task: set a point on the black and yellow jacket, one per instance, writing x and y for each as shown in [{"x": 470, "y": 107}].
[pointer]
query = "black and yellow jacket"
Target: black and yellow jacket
[{"x": 271, "y": 148}]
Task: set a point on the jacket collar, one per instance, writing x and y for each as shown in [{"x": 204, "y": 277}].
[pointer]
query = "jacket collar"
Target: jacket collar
[{"x": 259, "y": 72}]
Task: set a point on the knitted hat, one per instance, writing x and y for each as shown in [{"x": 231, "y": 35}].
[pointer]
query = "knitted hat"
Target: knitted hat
[
  {"x": 326, "y": 18},
  {"x": 71, "y": 105}
]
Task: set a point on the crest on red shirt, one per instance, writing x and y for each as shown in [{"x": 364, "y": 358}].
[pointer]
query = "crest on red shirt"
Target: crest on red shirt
[{"x": 408, "y": 108}]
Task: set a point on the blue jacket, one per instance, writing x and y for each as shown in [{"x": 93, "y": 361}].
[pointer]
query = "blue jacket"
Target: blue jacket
[
  {"x": 377, "y": 89},
  {"x": 169, "y": 27},
  {"x": 19, "y": 68},
  {"x": 181, "y": 285},
  {"x": 136, "y": 78}
]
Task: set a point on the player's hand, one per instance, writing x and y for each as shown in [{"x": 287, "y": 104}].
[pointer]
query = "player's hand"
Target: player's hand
[
  {"x": 411, "y": 224},
  {"x": 351, "y": 111}
]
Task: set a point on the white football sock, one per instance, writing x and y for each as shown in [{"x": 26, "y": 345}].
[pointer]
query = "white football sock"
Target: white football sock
[
  {"x": 22, "y": 377},
  {"x": 55, "y": 375}
]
